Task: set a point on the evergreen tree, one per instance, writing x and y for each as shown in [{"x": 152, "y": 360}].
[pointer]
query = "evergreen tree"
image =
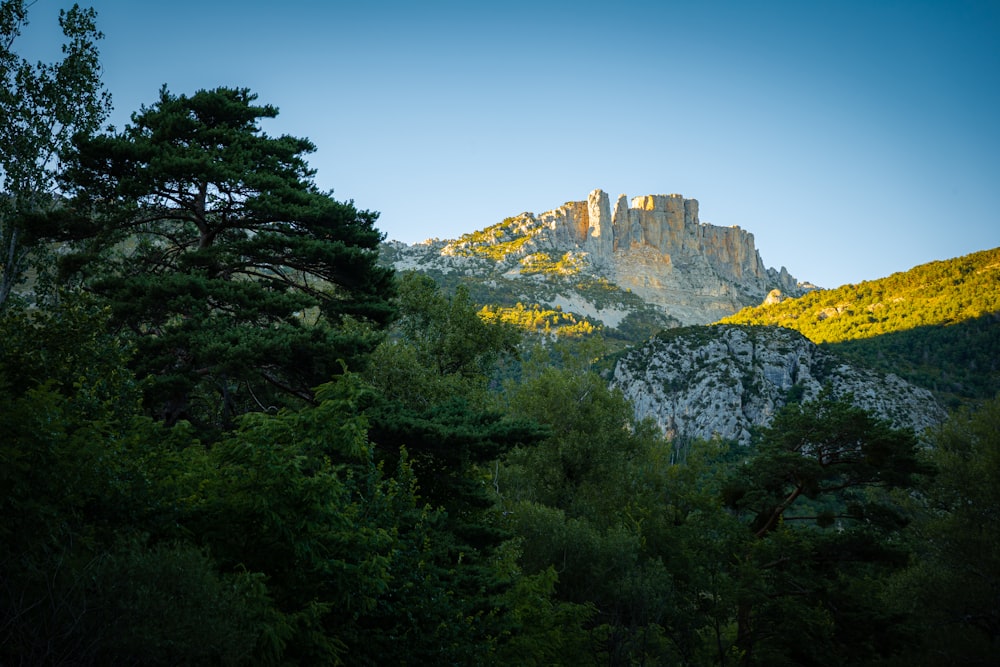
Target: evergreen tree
[
  {"x": 431, "y": 377},
  {"x": 812, "y": 495},
  {"x": 244, "y": 285},
  {"x": 630, "y": 541},
  {"x": 90, "y": 572},
  {"x": 953, "y": 586}
]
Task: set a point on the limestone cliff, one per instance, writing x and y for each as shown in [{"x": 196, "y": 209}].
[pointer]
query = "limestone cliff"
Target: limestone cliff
[
  {"x": 657, "y": 247},
  {"x": 720, "y": 381},
  {"x": 654, "y": 247}
]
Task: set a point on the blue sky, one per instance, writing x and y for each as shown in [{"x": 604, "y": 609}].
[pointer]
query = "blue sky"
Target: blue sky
[{"x": 853, "y": 139}]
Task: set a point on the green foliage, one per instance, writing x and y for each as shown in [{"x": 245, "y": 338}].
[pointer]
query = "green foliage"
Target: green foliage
[
  {"x": 813, "y": 494},
  {"x": 431, "y": 376},
  {"x": 450, "y": 448},
  {"x": 450, "y": 337},
  {"x": 625, "y": 530},
  {"x": 815, "y": 450},
  {"x": 168, "y": 605},
  {"x": 414, "y": 513},
  {"x": 285, "y": 541},
  {"x": 958, "y": 362},
  {"x": 42, "y": 107},
  {"x": 64, "y": 394},
  {"x": 439, "y": 347},
  {"x": 411, "y": 519},
  {"x": 542, "y": 263},
  {"x": 592, "y": 441},
  {"x": 546, "y": 631},
  {"x": 242, "y": 284},
  {"x": 938, "y": 293},
  {"x": 495, "y": 242},
  {"x": 540, "y": 320},
  {"x": 77, "y": 580},
  {"x": 934, "y": 325},
  {"x": 954, "y": 583},
  {"x": 296, "y": 497}
]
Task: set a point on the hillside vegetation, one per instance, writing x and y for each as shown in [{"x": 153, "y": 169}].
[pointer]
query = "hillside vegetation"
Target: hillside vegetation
[
  {"x": 935, "y": 325},
  {"x": 496, "y": 241},
  {"x": 938, "y": 293},
  {"x": 229, "y": 435},
  {"x": 557, "y": 299}
]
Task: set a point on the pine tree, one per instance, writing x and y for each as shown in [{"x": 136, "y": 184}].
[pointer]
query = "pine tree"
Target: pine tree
[
  {"x": 813, "y": 496},
  {"x": 243, "y": 283}
]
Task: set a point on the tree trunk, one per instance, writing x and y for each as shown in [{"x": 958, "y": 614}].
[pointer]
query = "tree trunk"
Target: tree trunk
[{"x": 744, "y": 632}]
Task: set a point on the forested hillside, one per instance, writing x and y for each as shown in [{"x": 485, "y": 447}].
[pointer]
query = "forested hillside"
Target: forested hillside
[
  {"x": 552, "y": 295},
  {"x": 937, "y": 325},
  {"x": 229, "y": 435}
]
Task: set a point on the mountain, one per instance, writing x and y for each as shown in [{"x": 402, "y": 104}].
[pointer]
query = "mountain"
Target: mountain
[
  {"x": 649, "y": 275},
  {"x": 723, "y": 380},
  {"x": 938, "y": 293},
  {"x": 632, "y": 268},
  {"x": 937, "y": 325},
  {"x": 902, "y": 346}
]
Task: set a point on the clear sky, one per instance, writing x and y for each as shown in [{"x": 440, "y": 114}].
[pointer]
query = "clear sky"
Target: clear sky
[{"x": 853, "y": 139}]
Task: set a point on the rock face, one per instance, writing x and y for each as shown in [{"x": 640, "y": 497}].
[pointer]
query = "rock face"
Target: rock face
[
  {"x": 654, "y": 247},
  {"x": 720, "y": 381},
  {"x": 659, "y": 250}
]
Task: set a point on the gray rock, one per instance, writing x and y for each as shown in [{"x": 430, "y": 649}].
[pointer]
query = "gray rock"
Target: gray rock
[
  {"x": 655, "y": 247},
  {"x": 721, "y": 381}
]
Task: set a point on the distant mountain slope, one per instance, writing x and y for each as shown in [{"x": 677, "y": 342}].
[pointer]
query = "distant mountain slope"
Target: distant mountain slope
[
  {"x": 722, "y": 381},
  {"x": 938, "y": 324},
  {"x": 631, "y": 269},
  {"x": 563, "y": 298},
  {"x": 938, "y": 293}
]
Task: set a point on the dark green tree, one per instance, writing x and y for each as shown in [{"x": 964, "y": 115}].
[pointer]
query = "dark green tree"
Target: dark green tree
[
  {"x": 91, "y": 567},
  {"x": 127, "y": 541},
  {"x": 953, "y": 587},
  {"x": 244, "y": 285},
  {"x": 813, "y": 496},
  {"x": 42, "y": 106},
  {"x": 639, "y": 542},
  {"x": 439, "y": 347},
  {"x": 431, "y": 375}
]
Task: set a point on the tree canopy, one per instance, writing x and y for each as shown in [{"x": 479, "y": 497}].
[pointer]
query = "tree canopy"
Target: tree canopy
[
  {"x": 243, "y": 284},
  {"x": 42, "y": 107}
]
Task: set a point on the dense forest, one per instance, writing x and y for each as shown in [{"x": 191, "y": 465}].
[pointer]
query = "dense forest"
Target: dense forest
[
  {"x": 935, "y": 325},
  {"x": 229, "y": 435}
]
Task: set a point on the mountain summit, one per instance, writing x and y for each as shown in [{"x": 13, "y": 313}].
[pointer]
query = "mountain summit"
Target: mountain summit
[{"x": 653, "y": 248}]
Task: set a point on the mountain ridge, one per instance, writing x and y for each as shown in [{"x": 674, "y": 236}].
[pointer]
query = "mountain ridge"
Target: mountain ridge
[
  {"x": 653, "y": 247},
  {"x": 935, "y": 324},
  {"x": 650, "y": 275},
  {"x": 924, "y": 295}
]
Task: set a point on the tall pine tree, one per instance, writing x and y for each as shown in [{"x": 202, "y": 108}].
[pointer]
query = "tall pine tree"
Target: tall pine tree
[
  {"x": 244, "y": 285},
  {"x": 824, "y": 534}
]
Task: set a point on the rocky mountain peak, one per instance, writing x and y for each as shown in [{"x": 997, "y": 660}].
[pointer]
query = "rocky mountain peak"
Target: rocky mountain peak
[{"x": 653, "y": 246}]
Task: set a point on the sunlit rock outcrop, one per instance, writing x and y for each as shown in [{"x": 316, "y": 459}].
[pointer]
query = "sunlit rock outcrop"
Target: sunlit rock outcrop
[
  {"x": 654, "y": 247},
  {"x": 600, "y": 241},
  {"x": 658, "y": 248}
]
